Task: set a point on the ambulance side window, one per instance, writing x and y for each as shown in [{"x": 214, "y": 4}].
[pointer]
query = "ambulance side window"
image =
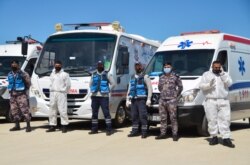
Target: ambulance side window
[
  {"x": 223, "y": 58},
  {"x": 30, "y": 66},
  {"x": 122, "y": 61}
]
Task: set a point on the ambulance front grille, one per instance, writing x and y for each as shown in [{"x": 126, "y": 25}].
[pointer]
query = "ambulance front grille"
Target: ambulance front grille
[{"x": 81, "y": 95}]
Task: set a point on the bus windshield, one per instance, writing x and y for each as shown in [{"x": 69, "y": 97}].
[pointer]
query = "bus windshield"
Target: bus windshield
[
  {"x": 78, "y": 52},
  {"x": 184, "y": 62},
  {"x": 5, "y": 63}
]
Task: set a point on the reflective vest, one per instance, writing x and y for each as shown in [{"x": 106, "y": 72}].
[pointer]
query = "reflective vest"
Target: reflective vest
[
  {"x": 138, "y": 88},
  {"x": 16, "y": 82},
  {"x": 100, "y": 83}
]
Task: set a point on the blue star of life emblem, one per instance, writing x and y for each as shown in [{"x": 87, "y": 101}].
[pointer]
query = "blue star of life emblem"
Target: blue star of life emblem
[
  {"x": 241, "y": 66},
  {"x": 184, "y": 44}
]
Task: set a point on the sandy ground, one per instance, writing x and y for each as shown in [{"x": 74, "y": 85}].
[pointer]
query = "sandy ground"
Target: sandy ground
[{"x": 77, "y": 147}]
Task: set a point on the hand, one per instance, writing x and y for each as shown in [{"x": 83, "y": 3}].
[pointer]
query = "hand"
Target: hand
[
  {"x": 212, "y": 83},
  {"x": 128, "y": 103},
  {"x": 148, "y": 103},
  {"x": 222, "y": 73}
]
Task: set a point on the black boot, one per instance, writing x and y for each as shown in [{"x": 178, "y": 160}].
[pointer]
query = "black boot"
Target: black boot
[
  {"x": 93, "y": 132},
  {"x": 175, "y": 138},
  {"x": 161, "y": 136},
  {"x": 133, "y": 134},
  {"x": 227, "y": 142},
  {"x": 51, "y": 129},
  {"x": 64, "y": 129},
  {"x": 28, "y": 128},
  {"x": 144, "y": 135},
  {"x": 16, "y": 127},
  {"x": 214, "y": 141},
  {"x": 109, "y": 132}
]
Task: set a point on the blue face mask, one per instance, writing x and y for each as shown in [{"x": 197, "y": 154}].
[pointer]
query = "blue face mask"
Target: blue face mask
[{"x": 167, "y": 70}]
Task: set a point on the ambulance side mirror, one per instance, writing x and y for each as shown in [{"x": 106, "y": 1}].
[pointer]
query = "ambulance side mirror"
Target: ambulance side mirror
[{"x": 24, "y": 48}]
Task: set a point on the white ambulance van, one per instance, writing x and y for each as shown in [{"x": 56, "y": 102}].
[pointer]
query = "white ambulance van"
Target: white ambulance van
[
  {"x": 79, "y": 51},
  {"x": 8, "y": 52},
  {"x": 192, "y": 54}
]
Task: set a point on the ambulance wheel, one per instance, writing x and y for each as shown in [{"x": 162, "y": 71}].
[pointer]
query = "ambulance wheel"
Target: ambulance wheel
[
  {"x": 120, "y": 116},
  {"x": 202, "y": 129},
  {"x": 8, "y": 116}
]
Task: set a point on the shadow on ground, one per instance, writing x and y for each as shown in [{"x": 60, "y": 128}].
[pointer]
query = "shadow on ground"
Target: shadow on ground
[{"x": 85, "y": 125}]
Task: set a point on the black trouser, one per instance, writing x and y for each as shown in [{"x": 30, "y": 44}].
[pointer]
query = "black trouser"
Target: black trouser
[
  {"x": 102, "y": 102},
  {"x": 139, "y": 115}
]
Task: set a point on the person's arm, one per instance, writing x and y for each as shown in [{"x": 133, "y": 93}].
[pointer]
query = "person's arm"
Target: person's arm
[
  {"x": 68, "y": 83},
  {"x": 149, "y": 86},
  {"x": 91, "y": 81},
  {"x": 205, "y": 84},
  {"x": 111, "y": 82},
  {"x": 179, "y": 85},
  {"x": 27, "y": 79},
  {"x": 128, "y": 99},
  {"x": 160, "y": 84},
  {"x": 226, "y": 79}
]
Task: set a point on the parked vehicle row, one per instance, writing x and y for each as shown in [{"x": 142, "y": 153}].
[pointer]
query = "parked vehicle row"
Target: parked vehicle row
[{"x": 191, "y": 54}]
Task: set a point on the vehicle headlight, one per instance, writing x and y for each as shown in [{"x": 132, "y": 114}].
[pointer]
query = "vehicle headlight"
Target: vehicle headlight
[
  {"x": 188, "y": 96},
  {"x": 2, "y": 89},
  {"x": 35, "y": 92},
  {"x": 155, "y": 98}
]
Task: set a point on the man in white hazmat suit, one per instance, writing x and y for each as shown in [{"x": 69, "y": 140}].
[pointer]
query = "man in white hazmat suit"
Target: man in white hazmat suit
[
  {"x": 214, "y": 85},
  {"x": 59, "y": 87}
]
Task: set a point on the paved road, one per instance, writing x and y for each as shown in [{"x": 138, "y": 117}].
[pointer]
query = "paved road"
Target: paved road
[{"x": 77, "y": 147}]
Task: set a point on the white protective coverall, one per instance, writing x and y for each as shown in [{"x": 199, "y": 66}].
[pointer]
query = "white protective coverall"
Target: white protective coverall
[
  {"x": 217, "y": 107},
  {"x": 59, "y": 87}
]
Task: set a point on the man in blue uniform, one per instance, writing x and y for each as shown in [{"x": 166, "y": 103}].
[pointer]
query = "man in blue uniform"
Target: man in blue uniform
[
  {"x": 19, "y": 83},
  {"x": 101, "y": 84},
  {"x": 139, "y": 95}
]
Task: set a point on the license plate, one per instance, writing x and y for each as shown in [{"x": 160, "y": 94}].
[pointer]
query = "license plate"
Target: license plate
[{"x": 73, "y": 91}]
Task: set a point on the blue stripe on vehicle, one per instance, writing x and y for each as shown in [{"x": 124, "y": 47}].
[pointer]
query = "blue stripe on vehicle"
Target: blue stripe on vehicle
[
  {"x": 239, "y": 85},
  {"x": 155, "y": 73}
]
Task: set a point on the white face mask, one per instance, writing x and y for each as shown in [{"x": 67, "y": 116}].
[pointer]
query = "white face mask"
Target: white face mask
[{"x": 167, "y": 70}]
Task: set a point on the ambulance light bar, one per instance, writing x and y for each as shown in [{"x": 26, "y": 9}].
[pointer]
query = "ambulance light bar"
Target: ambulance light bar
[
  {"x": 78, "y": 25},
  {"x": 101, "y": 26},
  {"x": 201, "y": 32}
]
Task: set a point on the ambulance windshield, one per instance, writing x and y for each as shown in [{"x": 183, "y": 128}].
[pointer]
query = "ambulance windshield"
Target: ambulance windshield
[
  {"x": 78, "y": 52},
  {"x": 5, "y": 63},
  {"x": 184, "y": 62}
]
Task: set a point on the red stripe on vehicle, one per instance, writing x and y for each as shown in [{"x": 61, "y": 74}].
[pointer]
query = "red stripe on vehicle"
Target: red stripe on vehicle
[{"x": 236, "y": 39}]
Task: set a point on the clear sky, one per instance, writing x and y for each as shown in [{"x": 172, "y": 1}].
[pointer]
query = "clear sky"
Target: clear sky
[{"x": 154, "y": 19}]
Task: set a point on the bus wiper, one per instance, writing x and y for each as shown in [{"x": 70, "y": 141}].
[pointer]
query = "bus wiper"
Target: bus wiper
[{"x": 78, "y": 70}]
